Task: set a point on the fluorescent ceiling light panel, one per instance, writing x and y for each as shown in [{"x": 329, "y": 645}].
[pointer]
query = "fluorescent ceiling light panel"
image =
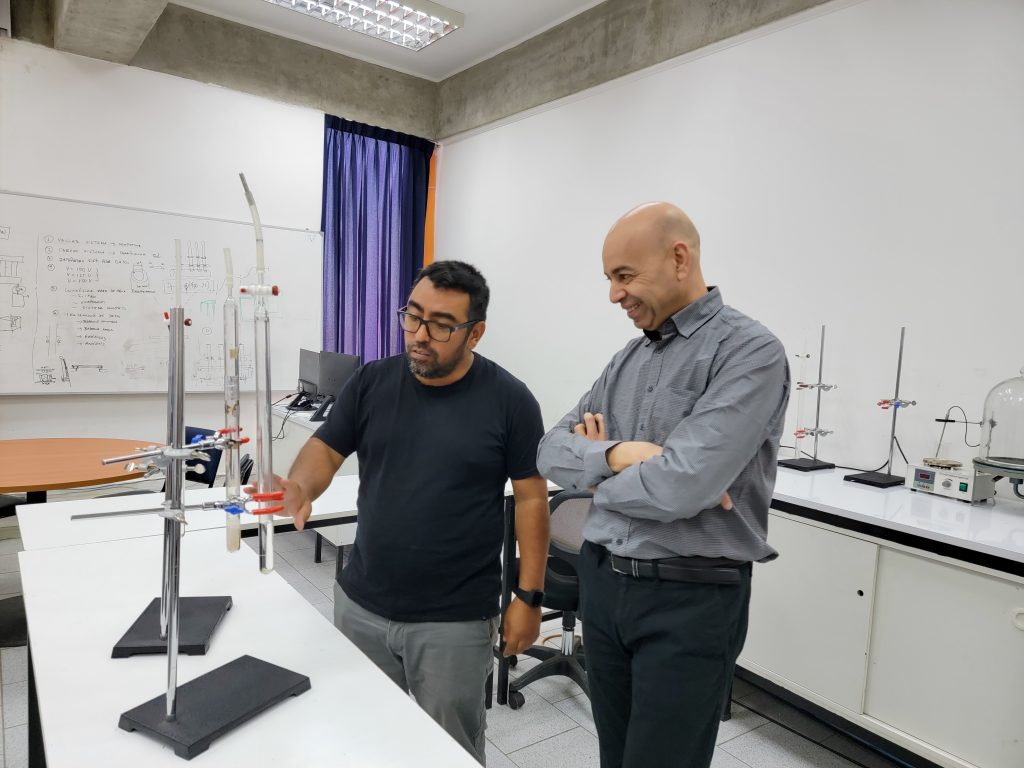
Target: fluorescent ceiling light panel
[{"x": 412, "y": 24}]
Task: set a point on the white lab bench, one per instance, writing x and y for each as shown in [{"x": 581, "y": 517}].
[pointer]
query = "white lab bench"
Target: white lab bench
[
  {"x": 66, "y": 523},
  {"x": 295, "y": 428},
  {"x": 80, "y": 599},
  {"x": 900, "y": 613}
]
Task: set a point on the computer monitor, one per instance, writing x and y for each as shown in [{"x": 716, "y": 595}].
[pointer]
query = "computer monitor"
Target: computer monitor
[
  {"x": 309, "y": 371},
  {"x": 335, "y": 370},
  {"x": 309, "y": 376}
]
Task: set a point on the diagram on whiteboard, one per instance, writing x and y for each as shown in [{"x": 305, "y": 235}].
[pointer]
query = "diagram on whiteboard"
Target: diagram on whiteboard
[{"x": 83, "y": 291}]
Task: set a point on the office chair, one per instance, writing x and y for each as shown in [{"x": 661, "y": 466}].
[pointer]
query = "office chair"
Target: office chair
[
  {"x": 245, "y": 465},
  {"x": 202, "y": 471},
  {"x": 561, "y": 593}
]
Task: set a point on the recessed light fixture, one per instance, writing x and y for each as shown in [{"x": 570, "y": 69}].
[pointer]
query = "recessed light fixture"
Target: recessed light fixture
[{"x": 413, "y": 24}]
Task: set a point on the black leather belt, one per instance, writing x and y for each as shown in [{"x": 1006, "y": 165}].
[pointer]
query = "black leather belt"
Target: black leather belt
[{"x": 674, "y": 569}]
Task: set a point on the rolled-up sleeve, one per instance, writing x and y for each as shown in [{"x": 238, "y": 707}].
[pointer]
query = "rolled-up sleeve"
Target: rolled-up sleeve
[{"x": 705, "y": 454}]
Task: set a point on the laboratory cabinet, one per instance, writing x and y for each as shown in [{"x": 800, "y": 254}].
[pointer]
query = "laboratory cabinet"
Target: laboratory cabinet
[
  {"x": 947, "y": 658},
  {"x": 810, "y": 611},
  {"x": 918, "y": 648}
]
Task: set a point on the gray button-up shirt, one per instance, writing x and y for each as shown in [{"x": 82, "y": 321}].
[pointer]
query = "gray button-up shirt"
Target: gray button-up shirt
[{"x": 710, "y": 387}]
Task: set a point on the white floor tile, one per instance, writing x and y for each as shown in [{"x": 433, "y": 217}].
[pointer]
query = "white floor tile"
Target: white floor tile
[
  {"x": 578, "y": 708},
  {"x": 329, "y": 592},
  {"x": 573, "y": 749},
  {"x": 15, "y": 697},
  {"x": 723, "y": 759},
  {"x": 554, "y": 689},
  {"x": 496, "y": 758},
  {"x": 10, "y": 583},
  {"x": 772, "y": 746},
  {"x": 309, "y": 591},
  {"x": 511, "y": 729},
  {"x": 765, "y": 704},
  {"x": 326, "y": 610},
  {"x": 10, "y": 546},
  {"x": 14, "y": 665},
  {"x": 742, "y": 721},
  {"x": 16, "y": 747},
  {"x": 9, "y": 563},
  {"x": 293, "y": 540},
  {"x": 321, "y": 575}
]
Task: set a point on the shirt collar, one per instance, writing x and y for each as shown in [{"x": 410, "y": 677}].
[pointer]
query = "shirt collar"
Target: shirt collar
[{"x": 688, "y": 320}]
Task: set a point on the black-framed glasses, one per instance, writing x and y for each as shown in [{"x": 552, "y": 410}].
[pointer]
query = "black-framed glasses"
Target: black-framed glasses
[{"x": 437, "y": 331}]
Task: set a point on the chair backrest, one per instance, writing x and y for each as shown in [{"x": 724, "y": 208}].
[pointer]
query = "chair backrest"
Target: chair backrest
[
  {"x": 203, "y": 471},
  {"x": 245, "y": 465},
  {"x": 568, "y": 514}
]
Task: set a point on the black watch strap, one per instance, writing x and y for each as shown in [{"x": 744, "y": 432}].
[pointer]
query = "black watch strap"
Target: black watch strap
[{"x": 532, "y": 597}]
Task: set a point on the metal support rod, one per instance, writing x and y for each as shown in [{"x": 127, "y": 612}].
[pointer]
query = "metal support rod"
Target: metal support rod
[
  {"x": 265, "y": 481},
  {"x": 817, "y": 407},
  {"x": 175, "y": 486},
  {"x": 896, "y": 397}
]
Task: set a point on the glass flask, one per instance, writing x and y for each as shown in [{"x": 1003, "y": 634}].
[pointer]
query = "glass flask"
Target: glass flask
[{"x": 1002, "y": 430}]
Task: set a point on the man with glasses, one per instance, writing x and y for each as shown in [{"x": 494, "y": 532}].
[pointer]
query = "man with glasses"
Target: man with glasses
[
  {"x": 678, "y": 440},
  {"x": 438, "y": 431}
]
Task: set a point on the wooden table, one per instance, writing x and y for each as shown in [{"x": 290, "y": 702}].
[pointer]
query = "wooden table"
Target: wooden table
[{"x": 37, "y": 465}]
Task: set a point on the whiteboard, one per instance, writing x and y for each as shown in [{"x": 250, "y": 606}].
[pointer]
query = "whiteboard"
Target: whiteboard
[{"x": 83, "y": 289}]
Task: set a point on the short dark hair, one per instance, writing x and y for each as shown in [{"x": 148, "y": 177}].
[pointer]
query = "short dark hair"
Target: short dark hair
[{"x": 463, "y": 277}]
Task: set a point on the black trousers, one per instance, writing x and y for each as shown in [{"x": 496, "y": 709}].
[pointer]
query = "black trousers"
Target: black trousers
[{"x": 660, "y": 655}]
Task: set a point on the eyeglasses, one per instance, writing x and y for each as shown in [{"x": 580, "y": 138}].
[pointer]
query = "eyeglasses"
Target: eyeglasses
[{"x": 437, "y": 331}]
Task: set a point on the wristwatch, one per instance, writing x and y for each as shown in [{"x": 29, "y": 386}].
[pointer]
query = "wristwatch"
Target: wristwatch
[{"x": 532, "y": 597}]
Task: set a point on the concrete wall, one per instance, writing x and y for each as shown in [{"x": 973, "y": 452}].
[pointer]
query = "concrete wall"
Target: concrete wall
[
  {"x": 204, "y": 48},
  {"x": 608, "y": 41},
  {"x": 32, "y": 20}
]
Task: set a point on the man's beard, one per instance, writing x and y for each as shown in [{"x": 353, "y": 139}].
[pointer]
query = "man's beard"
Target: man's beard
[{"x": 431, "y": 369}]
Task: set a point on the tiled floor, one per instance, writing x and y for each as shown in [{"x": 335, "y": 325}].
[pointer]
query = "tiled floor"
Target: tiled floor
[{"x": 553, "y": 729}]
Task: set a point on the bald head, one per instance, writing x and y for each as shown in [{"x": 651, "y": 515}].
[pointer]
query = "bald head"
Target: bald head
[
  {"x": 663, "y": 223},
  {"x": 652, "y": 259}
]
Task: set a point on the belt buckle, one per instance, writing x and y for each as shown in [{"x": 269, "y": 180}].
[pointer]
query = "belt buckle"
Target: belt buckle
[{"x": 634, "y": 567}]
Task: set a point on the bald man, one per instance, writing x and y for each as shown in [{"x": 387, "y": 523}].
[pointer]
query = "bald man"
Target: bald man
[{"x": 677, "y": 440}]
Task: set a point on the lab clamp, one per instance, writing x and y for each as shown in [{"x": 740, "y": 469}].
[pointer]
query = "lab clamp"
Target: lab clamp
[
  {"x": 226, "y": 697},
  {"x": 887, "y": 479},
  {"x": 812, "y": 463}
]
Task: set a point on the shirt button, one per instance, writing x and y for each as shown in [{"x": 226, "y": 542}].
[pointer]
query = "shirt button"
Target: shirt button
[
  {"x": 650, "y": 389},
  {"x": 642, "y": 426},
  {"x": 657, "y": 351},
  {"x": 618, "y": 541}
]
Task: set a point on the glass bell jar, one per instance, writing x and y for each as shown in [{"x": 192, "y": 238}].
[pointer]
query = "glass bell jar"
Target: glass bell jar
[{"x": 1002, "y": 430}]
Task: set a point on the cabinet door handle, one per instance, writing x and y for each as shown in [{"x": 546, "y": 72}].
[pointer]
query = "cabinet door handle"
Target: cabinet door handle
[{"x": 1018, "y": 619}]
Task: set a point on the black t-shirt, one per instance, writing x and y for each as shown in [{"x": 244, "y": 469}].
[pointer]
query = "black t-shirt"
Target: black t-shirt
[{"x": 433, "y": 462}]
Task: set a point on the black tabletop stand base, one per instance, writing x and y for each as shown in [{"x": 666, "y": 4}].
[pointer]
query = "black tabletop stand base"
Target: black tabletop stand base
[
  {"x": 214, "y": 704},
  {"x": 806, "y": 465},
  {"x": 198, "y": 618},
  {"x": 876, "y": 479}
]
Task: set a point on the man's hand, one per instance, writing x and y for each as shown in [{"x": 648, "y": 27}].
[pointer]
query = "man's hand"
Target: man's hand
[
  {"x": 521, "y": 627},
  {"x": 592, "y": 427},
  {"x": 296, "y": 502},
  {"x": 625, "y": 454}
]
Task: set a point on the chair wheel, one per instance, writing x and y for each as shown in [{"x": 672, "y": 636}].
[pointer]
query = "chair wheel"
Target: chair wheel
[
  {"x": 513, "y": 660},
  {"x": 515, "y": 699}
]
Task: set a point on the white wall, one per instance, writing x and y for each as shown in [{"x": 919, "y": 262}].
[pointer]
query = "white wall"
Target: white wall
[
  {"x": 859, "y": 166},
  {"x": 78, "y": 128}
]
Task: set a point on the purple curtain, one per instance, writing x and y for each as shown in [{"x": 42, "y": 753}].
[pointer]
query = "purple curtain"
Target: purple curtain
[{"x": 374, "y": 210}]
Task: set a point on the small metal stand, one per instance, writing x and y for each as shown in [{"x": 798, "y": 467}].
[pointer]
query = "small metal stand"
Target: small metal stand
[
  {"x": 220, "y": 700},
  {"x": 887, "y": 479},
  {"x": 803, "y": 463}
]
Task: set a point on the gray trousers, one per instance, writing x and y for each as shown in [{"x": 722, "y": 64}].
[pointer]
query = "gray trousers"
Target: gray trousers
[{"x": 443, "y": 664}]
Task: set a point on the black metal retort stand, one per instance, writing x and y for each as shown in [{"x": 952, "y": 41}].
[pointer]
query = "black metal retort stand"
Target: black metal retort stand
[
  {"x": 188, "y": 718},
  {"x": 887, "y": 479},
  {"x": 803, "y": 463}
]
